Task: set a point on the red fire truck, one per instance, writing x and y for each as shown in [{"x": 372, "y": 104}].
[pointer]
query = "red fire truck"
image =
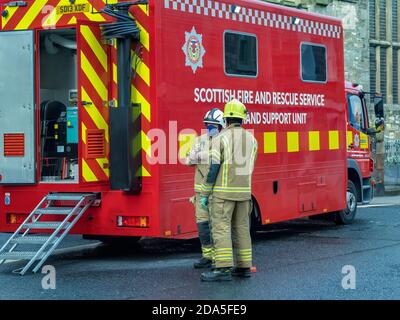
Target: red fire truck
[{"x": 100, "y": 102}]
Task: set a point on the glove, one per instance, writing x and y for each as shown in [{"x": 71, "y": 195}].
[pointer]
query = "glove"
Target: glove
[
  {"x": 204, "y": 203},
  {"x": 192, "y": 200}
]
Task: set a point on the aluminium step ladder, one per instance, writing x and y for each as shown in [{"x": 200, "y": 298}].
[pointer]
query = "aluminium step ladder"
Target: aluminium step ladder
[{"x": 74, "y": 206}]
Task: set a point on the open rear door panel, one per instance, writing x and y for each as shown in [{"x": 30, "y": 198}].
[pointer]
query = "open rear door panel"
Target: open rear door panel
[
  {"x": 17, "y": 108},
  {"x": 94, "y": 92}
]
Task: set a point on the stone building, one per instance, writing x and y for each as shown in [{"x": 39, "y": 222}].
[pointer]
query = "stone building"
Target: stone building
[{"x": 372, "y": 44}]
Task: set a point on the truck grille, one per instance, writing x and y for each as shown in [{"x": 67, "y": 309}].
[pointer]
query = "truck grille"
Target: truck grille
[
  {"x": 95, "y": 147},
  {"x": 14, "y": 145}
]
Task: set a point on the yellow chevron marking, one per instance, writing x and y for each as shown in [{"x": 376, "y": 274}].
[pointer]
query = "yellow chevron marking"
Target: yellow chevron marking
[
  {"x": 137, "y": 144},
  {"x": 145, "y": 8},
  {"x": 87, "y": 173},
  {"x": 142, "y": 142},
  {"x": 115, "y": 73},
  {"x": 270, "y": 142},
  {"x": 293, "y": 141},
  {"x": 143, "y": 70},
  {"x": 313, "y": 141},
  {"x": 94, "y": 113},
  {"x": 94, "y": 17},
  {"x": 142, "y": 172},
  {"x": 11, "y": 11},
  {"x": 146, "y": 144},
  {"x": 94, "y": 77},
  {"x": 144, "y": 35},
  {"x": 102, "y": 162},
  {"x": 83, "y": 132},
  {"x": 333, "y": 140},
  {"x": 53, "y": 17},
  {"x": 137, "y": 97},
  {"x": 72, "y": 21},
  {"x": 31, "y": 14},
  {"x": 95, "y": 45}
]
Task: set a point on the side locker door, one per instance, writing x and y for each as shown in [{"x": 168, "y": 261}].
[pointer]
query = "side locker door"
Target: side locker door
[
  {"x": 94, "y": 78},
  {"x": 17, "y": 108}
]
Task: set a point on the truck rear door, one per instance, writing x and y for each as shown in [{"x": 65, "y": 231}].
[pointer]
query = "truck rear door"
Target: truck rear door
[
  {"x": 17, "y": 108},
  {"x": 94, "y": 76}
]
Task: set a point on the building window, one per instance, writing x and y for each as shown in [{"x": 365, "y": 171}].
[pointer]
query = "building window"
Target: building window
[
  {"x": 384, "y": 48},
  {"x": 240, "y": 54},
  {"x": 313, "y": 63}
]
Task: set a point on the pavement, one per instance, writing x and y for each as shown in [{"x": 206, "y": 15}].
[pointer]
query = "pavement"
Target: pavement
[
  {"x": 299, "y": 259},
  {"x": 383, "y": 201}
]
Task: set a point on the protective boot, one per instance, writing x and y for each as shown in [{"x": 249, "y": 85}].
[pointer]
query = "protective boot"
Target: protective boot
[
  {"x": 218, "y": 274},
  {"x": 203, "y": 263},
  {"x": 241, "y": 272}
]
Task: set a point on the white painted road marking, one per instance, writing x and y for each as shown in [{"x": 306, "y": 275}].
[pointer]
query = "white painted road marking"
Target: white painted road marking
[{"x": 379, "y": 205}]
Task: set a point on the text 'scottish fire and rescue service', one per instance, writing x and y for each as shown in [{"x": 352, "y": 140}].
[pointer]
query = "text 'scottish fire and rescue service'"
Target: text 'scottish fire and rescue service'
[{"x": 210, "y": 95}]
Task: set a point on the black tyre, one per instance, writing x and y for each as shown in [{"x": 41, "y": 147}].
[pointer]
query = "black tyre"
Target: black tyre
[
  {"x": 348, "y": 215},
  {"x": 255, "y": 218}
]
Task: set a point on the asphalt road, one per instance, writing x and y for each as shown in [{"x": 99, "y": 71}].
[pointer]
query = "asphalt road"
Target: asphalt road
[{"x": 296, "y": 260}]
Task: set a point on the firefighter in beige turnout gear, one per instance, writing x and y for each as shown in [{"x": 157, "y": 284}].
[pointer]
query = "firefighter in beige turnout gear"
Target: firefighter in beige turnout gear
[
  {"x": 227, "y": 192},
  {"x": 199, "y": 156}
]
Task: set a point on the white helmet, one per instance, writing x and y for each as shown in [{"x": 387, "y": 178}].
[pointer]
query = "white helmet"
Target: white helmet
[{"x": 215, "y": 116}]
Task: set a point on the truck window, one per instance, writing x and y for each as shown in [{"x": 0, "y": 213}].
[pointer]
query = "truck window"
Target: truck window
[
  {"x": 240, "y": 54},
  {"x": 356, "y": 115},
  {"x": 313, "y": 63}
]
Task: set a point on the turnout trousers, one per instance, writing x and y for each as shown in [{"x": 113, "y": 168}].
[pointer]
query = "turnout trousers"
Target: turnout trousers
[
  {"x": 230, "y": 222},
  {"x": 204, "y": 229}
]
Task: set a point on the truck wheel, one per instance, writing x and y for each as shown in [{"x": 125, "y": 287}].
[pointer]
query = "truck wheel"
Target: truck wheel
[{"x": 348, "y": 215}]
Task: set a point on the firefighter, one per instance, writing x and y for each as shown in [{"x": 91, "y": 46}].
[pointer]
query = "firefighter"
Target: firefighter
[
  {"x": 199, "y": 156},
  {"x": 227, "y": 192}
]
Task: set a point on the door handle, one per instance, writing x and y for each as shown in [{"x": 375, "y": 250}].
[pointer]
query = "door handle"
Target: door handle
[{"x": 86, "y": 103}]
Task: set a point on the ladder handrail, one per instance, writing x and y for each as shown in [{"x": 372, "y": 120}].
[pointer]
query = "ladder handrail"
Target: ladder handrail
[
  {"x": 65, "y": 232},
  {"x": 53, "y": 235},
  {"x": 22, "y": 225},
  {"x": 60, "y": 230},
  {"x": 27, "y": 229}
]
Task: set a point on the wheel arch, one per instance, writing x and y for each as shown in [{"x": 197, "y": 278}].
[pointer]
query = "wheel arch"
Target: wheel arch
[{"x": 354, "y": 175}]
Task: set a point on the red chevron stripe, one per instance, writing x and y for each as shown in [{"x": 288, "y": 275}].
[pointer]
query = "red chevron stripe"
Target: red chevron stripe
[
  {"x": 16, "y": 18},
  {"x": 141, "y": 17},
  {"x": 96, "y": 169},
  {"x": 97, "y": 101},
  {"x": 142, "y": 87},
  {"x": 37, "y": 22},
  {"x": 94, "y": 61},
  {"x": 87, "y": 120}
]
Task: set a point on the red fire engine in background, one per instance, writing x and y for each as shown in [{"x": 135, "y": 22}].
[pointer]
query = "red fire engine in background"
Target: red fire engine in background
[{"x": 99, "y": 101}]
